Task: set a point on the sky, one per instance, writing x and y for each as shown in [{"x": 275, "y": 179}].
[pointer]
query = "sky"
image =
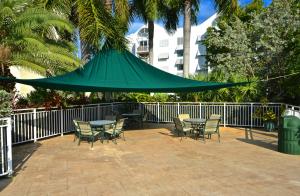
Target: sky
[{"x": 207, "y": 9}]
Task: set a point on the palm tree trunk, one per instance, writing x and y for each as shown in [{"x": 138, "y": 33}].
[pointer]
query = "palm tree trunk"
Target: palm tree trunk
[
  {"x": 150, "y": 34},
  {"x": 186, "y": 37}
]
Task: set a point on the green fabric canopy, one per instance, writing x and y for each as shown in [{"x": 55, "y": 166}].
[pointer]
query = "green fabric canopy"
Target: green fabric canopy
[{"x": 120, "y": 71}]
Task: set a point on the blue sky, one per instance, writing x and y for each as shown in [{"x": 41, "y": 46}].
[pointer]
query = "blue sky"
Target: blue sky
[{"x": 207, "y": 8}]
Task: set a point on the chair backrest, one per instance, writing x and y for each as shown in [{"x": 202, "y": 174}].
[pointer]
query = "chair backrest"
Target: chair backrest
[
  {"x": 178, "y": 124},
  {"x": 211, "y": 125},
  {"x": 84, "y": 127},
  {"x": 120, "y": 124},
  {"x": 183, "y": 116},
  {"x": 110, "y": 117},
  {"x": 215, "y": 116},
  {"x": 76, "y": 125}
]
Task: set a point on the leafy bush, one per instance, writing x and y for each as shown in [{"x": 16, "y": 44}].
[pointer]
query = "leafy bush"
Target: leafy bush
[
  {"x": 5, "y": 103},
  {"x": 144, "y": 97},
  {"x": 45, "y": 98}
]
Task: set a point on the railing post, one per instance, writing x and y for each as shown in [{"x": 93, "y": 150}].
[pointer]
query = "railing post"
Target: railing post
[
  {"x": 200, "y": 110},
  {"x": 251, "y": 116},
  {"x": 112, "y": 107},
  {"x": 158, "y": 112},
  {"x": 98, "y": 111},
  {"x": 34, "y": 125},
  {"x": 178, "y": 108},
  {"x": 140, "y": 108},
  {"x": 9, "y": 147},
  {"x": 82, "y": 114},
  {"x": 61, "y": 122},
  {"x": 224, "y": 114}
]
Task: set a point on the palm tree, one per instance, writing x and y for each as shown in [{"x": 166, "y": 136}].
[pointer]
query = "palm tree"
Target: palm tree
[
  {"x": 151, "y": 10},
  {"x": 31, "y": 37},
  {"x": 190, "y": 9},
  {"x": 99, "y": 23},
  {"x": 147, "y": 11}
]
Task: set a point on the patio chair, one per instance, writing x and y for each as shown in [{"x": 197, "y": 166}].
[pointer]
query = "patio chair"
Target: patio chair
[
  {"x": 182, "y": 117},
  {"x": 116, "y": 130},
  {"x": 211, "y": 127},
  {"x": 183, "y": 131},
  {"x": 215, "y": 116},
  {"x": 109, "y": 117},
  {"x": 86, "y": 131},
  {"x": 77, "y": 129}
]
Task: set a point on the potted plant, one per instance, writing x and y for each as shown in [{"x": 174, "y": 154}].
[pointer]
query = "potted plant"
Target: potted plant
[{"x": 269, "y": 118}]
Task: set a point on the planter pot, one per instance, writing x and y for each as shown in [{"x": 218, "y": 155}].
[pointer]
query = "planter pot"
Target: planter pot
[{"x": 269, "y": 126}]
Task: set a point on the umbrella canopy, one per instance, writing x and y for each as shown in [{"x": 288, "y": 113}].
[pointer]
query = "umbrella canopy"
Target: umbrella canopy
[{"x": 120, "y": 71}]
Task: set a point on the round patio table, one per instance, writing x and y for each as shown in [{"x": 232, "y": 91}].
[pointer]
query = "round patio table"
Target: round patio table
[
  {"x": 100, "y": 123},
  {"x": 195, "y": 121},
  {"x": 131, "y": 115}
]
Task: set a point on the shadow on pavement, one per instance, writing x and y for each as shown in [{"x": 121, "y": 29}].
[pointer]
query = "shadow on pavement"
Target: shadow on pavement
[{"x": 21, "y": 153}]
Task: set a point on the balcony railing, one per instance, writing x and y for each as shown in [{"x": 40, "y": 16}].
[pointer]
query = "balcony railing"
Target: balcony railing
[
  {"x": 143, "y": 49},
  {"x": 179, "y": 61}
]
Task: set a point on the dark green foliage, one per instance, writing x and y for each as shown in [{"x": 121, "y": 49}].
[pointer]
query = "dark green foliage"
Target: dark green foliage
[
  {"x": 257, "y": 44},
  {"x": 33, "y": 38},
  {"x": 235, "y": 94},
  {"x": 5, "y": 103},
  {"x": 144, "y": 97}
]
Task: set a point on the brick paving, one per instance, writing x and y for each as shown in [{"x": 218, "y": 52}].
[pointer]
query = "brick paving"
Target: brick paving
[{"x": 155, "y": 162}]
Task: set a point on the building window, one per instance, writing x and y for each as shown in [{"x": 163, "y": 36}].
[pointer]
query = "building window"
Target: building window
[
  {"x": 179, "y": 67},
  {"x": 144, "y": 43},
  {"x": 164, "y": 43},
  {"x": 180, "y": 41},
  {"x": 179, "y": 53}
]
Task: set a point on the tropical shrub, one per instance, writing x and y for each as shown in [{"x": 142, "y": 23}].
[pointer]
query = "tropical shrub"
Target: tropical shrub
[
  {"x": 5, "y": 103},
  {"x": 265, "y": 44}
]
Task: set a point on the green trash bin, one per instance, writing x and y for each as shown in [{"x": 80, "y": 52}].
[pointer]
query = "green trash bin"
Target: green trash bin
[{"x": 289, "y": 135}]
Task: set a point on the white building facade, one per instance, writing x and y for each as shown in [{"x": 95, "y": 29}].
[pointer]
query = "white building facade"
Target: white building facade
[{"x": 168, "y": 48}]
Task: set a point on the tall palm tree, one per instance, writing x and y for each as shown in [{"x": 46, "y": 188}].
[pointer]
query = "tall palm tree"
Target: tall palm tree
[
  {"x": 99, "y": 23},
  {"x": 190, "y": 9},
  {"x": 152, "y": 10},
  {"x": 147, "y": 10},
  {"x": 32, "y": 38}
]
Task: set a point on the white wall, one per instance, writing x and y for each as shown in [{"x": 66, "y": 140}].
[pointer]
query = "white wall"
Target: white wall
[{"x": 169, "y": 64}]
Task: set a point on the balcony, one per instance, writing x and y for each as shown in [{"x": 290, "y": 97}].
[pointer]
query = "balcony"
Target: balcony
[
  {"x": 179, "y": 62},
  {"x": 179, "y": 47},
  {"x": 143, "y": 49}
]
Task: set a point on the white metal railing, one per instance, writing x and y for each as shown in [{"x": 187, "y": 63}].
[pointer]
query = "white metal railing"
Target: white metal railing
[
  {"x": 6, "y": 147},
  {"x": 37, "y": 123},
  {"x": 233, "y": 114}
]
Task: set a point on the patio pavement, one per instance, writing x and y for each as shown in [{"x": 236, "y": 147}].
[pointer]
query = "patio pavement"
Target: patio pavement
[{"x": 155, "y": 162}]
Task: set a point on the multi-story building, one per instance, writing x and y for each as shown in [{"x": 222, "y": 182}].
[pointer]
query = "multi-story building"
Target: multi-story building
[{"x": 168, "y": 48}]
